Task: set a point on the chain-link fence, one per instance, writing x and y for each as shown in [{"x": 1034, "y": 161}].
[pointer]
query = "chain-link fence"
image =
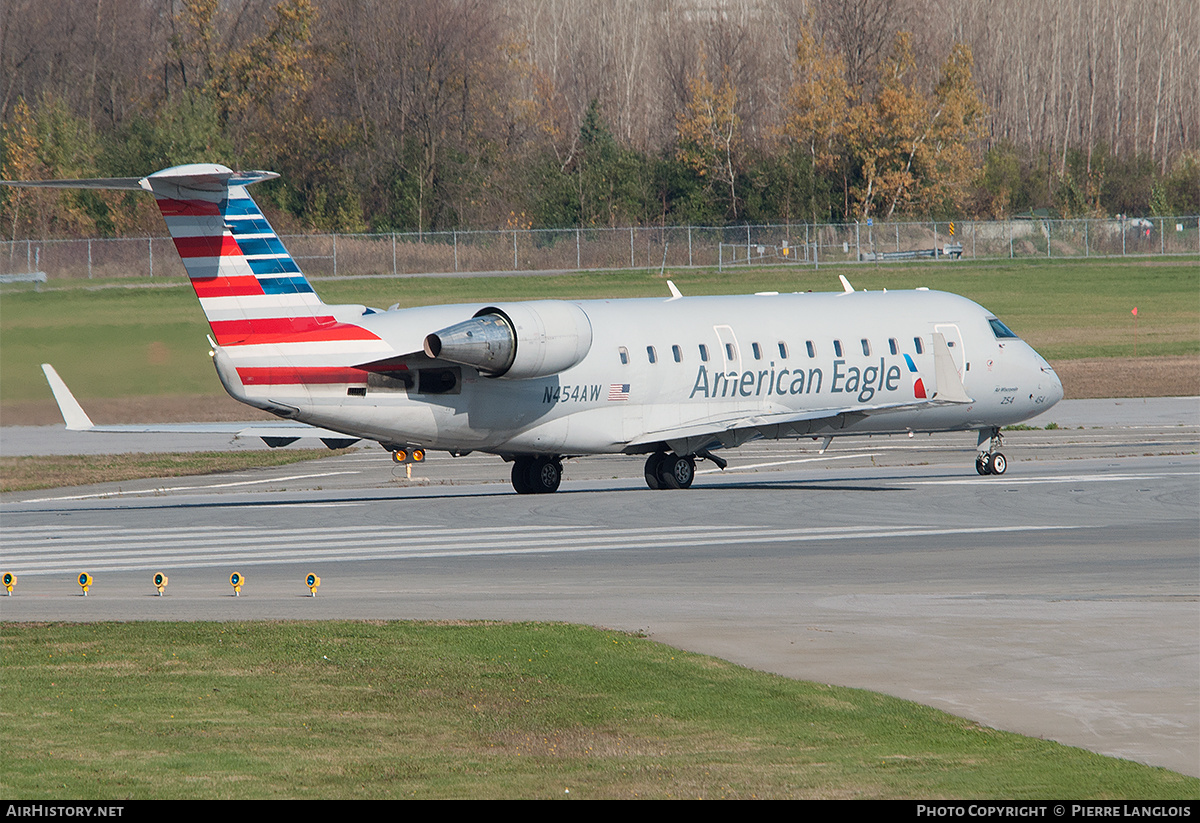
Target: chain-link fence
[{"x": 412, "y": 253}]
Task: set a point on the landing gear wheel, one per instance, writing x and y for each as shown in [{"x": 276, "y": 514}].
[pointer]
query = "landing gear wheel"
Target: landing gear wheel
[
  {"x": 653, "y": 464},
  {"x": 521, "y": 472},
  {"x": 997, "y": 463},
  {"x": 981, "y": 464},
  {"x": 546, "y": 475},
  {"x": 536, "y": 475},
  {"x": 676, "y": 472}
]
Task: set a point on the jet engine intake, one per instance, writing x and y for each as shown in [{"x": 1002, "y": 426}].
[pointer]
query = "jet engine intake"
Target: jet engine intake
[{"x": 517, "y": 340}]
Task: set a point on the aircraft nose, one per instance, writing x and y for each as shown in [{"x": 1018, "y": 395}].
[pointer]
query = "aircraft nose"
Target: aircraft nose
[{"x": 1055, "y": 388}]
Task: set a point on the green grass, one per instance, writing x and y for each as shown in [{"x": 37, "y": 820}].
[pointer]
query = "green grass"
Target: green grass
[
  {"x": 130, "y": 341},
  {"x": 389, "y": 710}
]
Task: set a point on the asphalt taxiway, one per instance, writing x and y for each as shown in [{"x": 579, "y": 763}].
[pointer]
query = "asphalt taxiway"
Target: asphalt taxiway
[{"x": 1060, "y": 600}]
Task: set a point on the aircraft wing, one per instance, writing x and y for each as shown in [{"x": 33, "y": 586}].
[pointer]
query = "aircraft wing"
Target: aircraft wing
[
  {"x": 742, "y": 427},
  {"x": 274, "y": 434}
]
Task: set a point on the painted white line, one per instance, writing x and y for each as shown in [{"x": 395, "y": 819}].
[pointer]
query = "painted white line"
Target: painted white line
[
  {"x": 787, "y": 463},
  {"x": 164, "y": 489},
  {"x": 394, "y": 548}
]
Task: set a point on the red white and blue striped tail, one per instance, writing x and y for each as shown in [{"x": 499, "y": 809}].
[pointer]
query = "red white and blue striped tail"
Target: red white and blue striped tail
[
  {"x": 263, "y": 312},
  {"x": 248, "y": 284}
]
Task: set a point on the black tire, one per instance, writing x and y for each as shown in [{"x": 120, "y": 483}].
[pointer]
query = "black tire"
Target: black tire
[
  {"x": 677, "y": 472},
  {"x": 653, "y": 464},
  {"x": 545, "y": 475},
  {"x": 981, "y": 465},
  {"x": 521, "y": 475},
  {"x": 997, "y": 463}
]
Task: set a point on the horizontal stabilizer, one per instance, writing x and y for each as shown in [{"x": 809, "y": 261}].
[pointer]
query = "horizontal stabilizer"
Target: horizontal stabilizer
[
  {"x": 73, "y": 414},
  {"x": 77, "y": 420}
]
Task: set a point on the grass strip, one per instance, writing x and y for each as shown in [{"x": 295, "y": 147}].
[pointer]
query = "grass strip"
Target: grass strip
[
  {"x": 57, "y": 471},
  {"x": 482, "y": 710}
]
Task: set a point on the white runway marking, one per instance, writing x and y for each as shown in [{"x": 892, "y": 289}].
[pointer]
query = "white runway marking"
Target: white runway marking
[
  {"x": 1057, "y": 478},
  {"x": 164, "y": 489},
  {"x": 54, "y": 550},
  {"x": 732, "y": 469}
]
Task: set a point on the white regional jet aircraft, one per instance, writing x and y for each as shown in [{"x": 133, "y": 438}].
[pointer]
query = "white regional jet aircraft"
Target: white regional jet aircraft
[{"x": 535, "y": 382}]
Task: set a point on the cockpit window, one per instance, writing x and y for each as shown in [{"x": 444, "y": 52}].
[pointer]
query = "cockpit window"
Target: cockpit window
[{"x": 999, "y": 329}]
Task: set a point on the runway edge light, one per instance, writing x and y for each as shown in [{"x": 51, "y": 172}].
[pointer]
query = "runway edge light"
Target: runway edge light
[
  {"x": 85, "y": 581},
  {"x": 10, "y": 580},
  {"x": 160, "y": 582},
  {"x": 312, "y": 581},
  {"x": 236, "y": 580}
]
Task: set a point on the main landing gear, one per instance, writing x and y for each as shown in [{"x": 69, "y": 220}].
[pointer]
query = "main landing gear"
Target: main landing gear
[
  {"x": 670, "y": 471},
  {"x": 536, "y": 475},
  {"x": 989, "y": 460}
]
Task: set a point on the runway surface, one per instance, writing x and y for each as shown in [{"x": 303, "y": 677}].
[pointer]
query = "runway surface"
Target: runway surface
[{"x": 1060, "y": 600}]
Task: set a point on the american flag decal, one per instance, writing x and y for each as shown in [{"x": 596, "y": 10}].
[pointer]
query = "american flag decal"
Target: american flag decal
[{"x": 618, "y": 391}]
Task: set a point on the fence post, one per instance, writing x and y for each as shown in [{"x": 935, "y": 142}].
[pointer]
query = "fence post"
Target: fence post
[
  {"x": 1087, "y": 252},
  {"x": 89, "y": 258},
  {"x": 150, "y": 245},
  {"x": 456, "y": 249},
  {"x": 689, "y": 246},
  {"x": 514, "y": 268},
  {"x": 631, "y": 247},
  {"x": 335, "y": 255},
  {"x": 578, "y": 258}
]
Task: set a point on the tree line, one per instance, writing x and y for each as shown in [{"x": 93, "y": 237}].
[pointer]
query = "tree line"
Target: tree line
[{"x": 437, "y": 114}]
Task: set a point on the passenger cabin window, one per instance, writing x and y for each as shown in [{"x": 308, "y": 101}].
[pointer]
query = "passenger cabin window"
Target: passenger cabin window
[
  {"x": 866, "y": 347},
  {"x": 729, "y": 352},
  {"x": 703, "y": 353},
  {"x": 812, "y": 350},
  {"x": 624, "y": 352},
  {"x": 651, "y": 355},
  {"x": 999, "y": 329},
  {"x": 677, "y": 353},
  {"x": 837, "y": 348},
  {"x": 783, "y": 350},
  {"x": 893, "y": 346},
  {"x": 919, "y": 345},
  {"x": 757, "y": 351}
]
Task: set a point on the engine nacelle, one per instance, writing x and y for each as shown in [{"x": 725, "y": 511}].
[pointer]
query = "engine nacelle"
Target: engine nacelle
[{"x": 517, "y": 340}]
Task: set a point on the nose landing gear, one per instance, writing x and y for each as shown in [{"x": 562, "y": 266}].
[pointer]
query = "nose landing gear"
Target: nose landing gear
[{"x": 989, "y": 460}]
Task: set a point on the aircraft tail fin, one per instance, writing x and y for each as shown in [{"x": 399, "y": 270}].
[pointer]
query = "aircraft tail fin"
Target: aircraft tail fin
[{"x": 248, "y": 284}]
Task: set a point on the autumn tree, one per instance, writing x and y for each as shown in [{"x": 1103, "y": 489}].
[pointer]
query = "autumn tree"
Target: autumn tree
[
  {"x": 46, "y": 142},
  {"x": 710, "y": 138},
  {"x": 885, "y": 134},
  {"x": 818, "y": 105},
  {"x": 949, "y": 157}
]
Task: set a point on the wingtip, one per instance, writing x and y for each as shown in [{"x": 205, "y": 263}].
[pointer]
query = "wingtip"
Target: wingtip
[{"x": 73, "y": 414}]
